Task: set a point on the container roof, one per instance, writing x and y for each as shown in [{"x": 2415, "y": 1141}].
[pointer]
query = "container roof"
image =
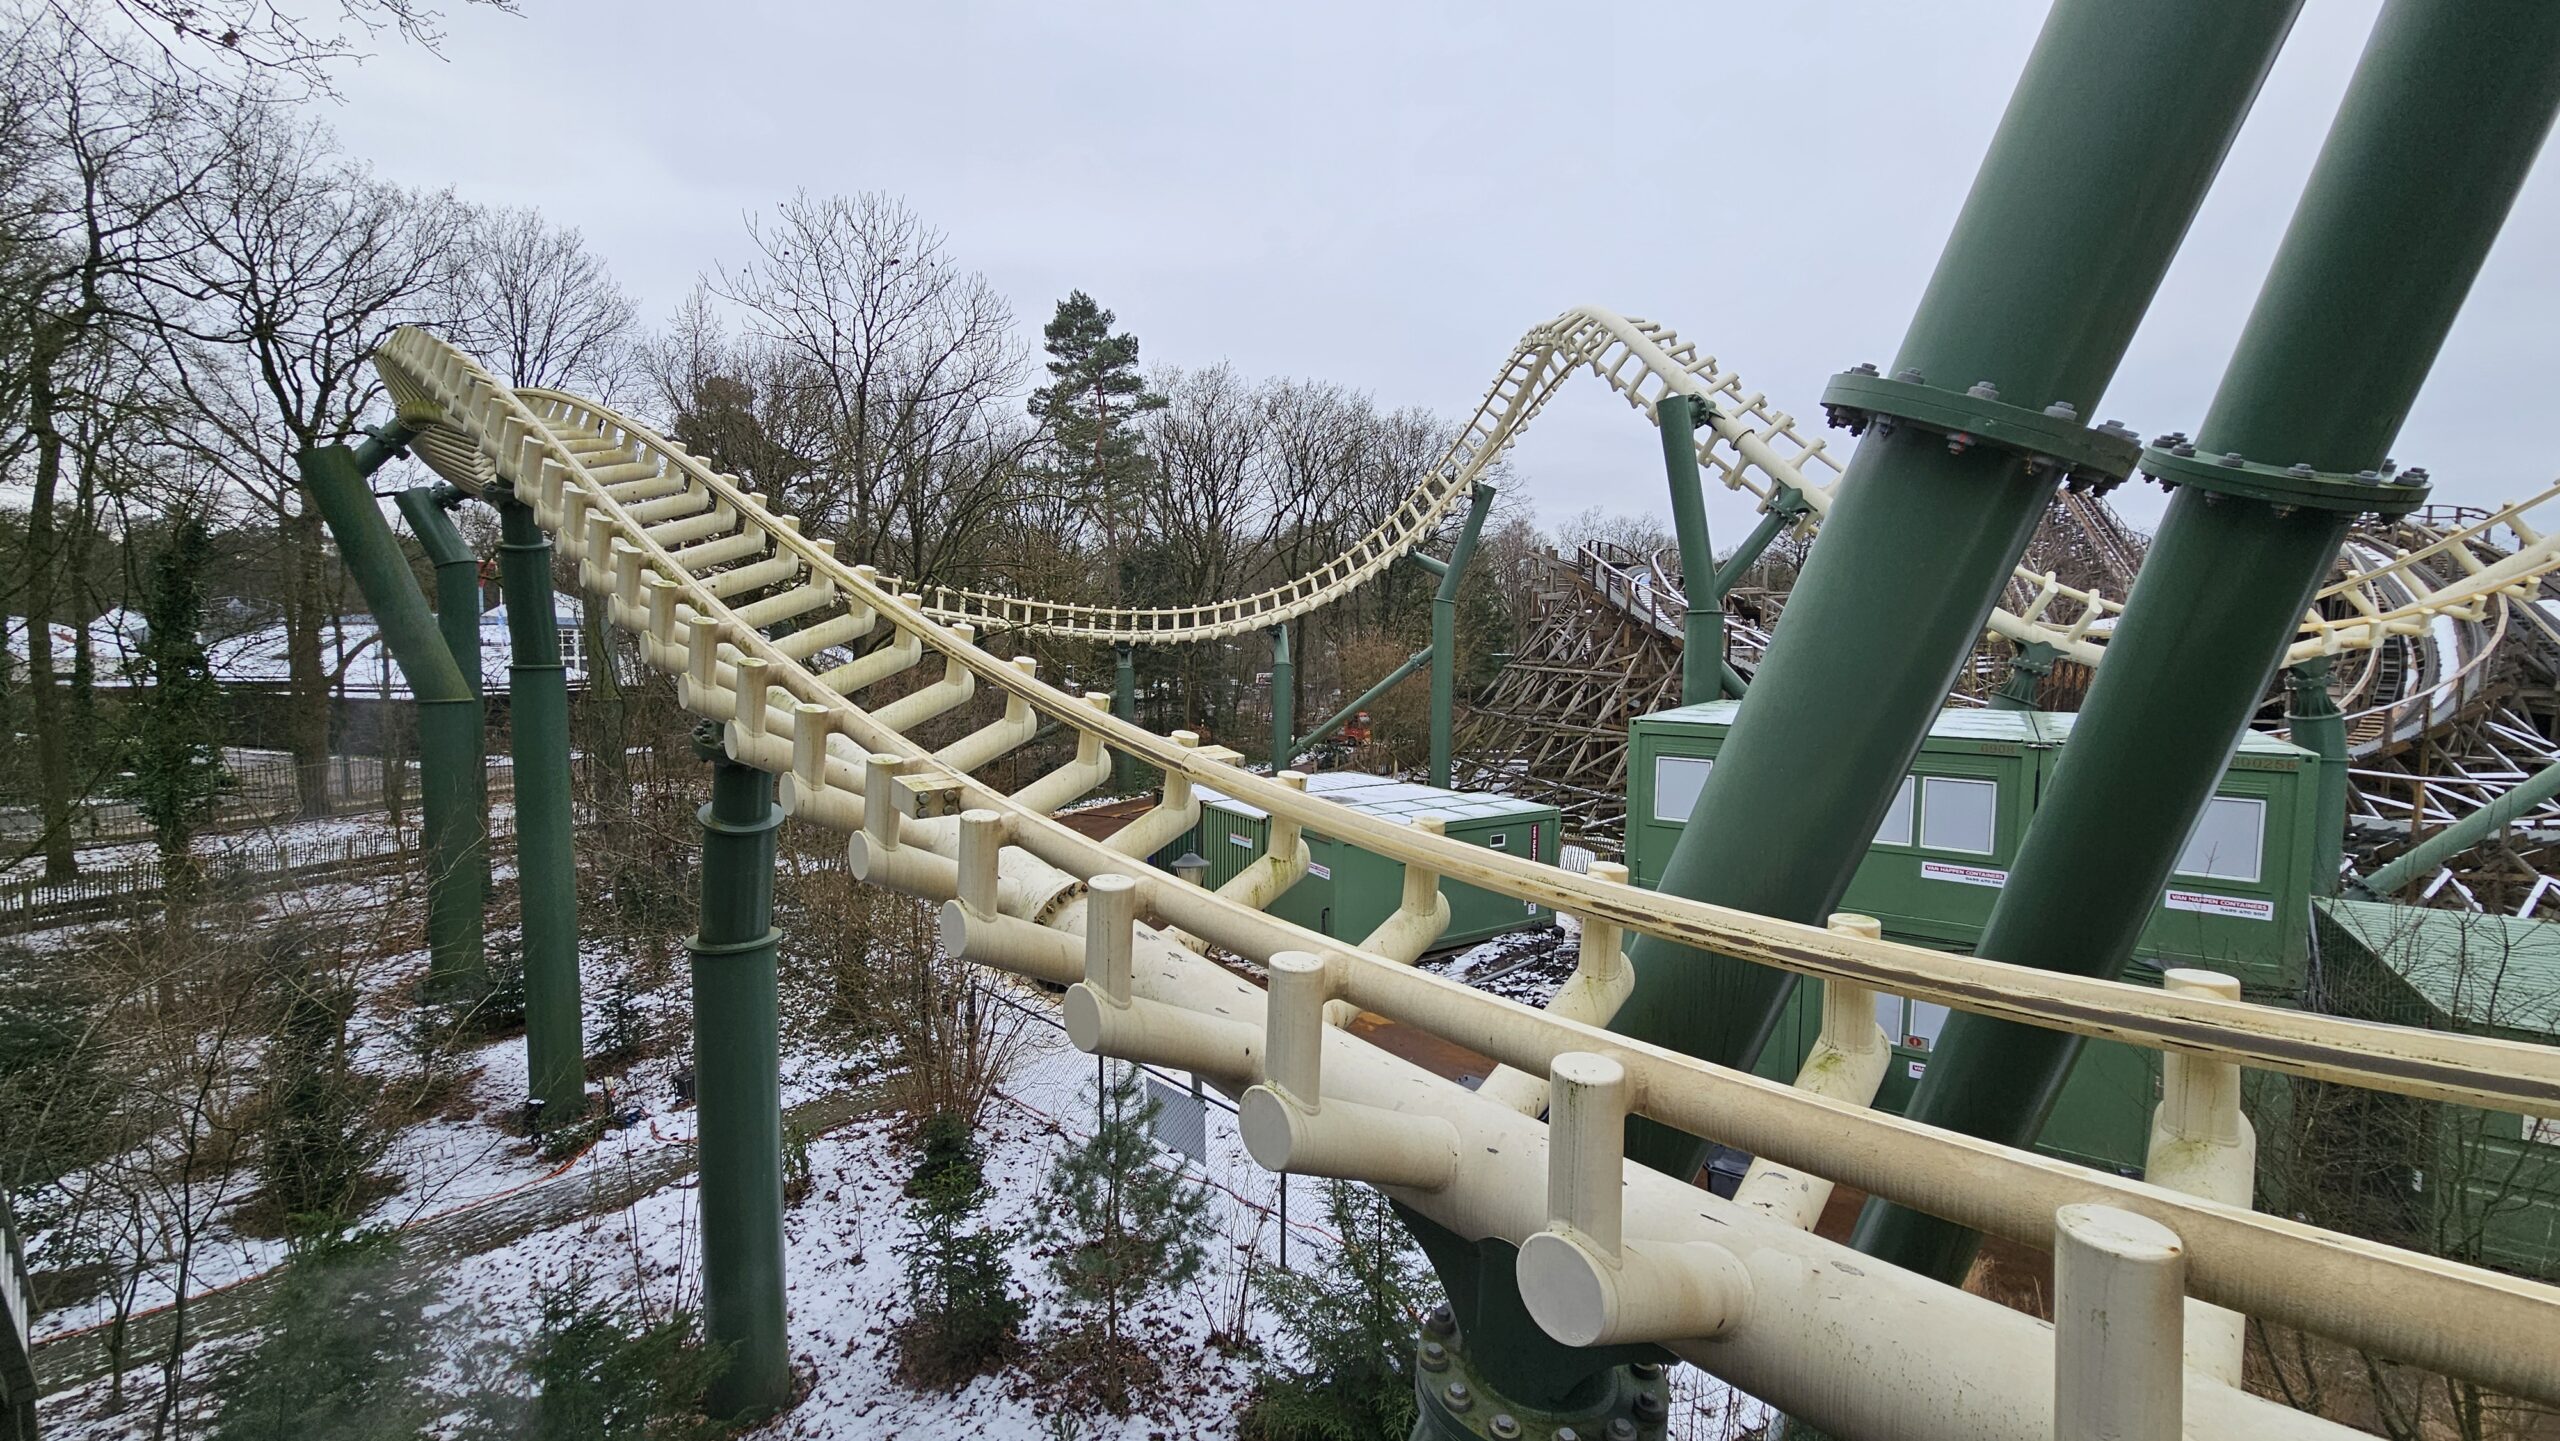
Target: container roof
[
  {"x": 1392, "y": 799},
  {"x": 2477, "y": 970},
  {"x": 1975, "y": 723}
]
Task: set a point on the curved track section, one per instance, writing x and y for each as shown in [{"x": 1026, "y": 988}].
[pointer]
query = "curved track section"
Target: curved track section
[{"x": 758, "y": 623}]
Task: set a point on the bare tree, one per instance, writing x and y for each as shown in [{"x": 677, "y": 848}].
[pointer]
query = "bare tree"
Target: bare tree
[
  {"x": 256, "y": 41},
  {"x": 530, "y": 299},
  {"x": 293, "y": 263}
]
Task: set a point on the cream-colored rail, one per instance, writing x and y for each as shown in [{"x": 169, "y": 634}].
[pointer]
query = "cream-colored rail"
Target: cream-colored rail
[{"x": 585, "y": 468}]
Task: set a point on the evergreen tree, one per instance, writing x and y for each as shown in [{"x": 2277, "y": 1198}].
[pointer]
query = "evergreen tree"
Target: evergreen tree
[
  {"x": 1346, "y": 1373},
  {"x": 342, "y": 1340},
  {"x": 176, "y": 718},
  {"x": 1090, "y": 409},
  {"x": 965, "y": 1311},
  {"x": 1123, "y": 1227}
]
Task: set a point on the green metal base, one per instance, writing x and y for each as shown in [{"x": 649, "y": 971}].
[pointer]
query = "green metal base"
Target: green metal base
[{"x": 1458, "y": 1401}]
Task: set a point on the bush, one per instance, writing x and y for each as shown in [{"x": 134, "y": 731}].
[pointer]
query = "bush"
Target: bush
[
  {"x": 964, "y": 1311},
  {"x": 342, "y": 1340},
  {"x": 603, "y": 1371},
  {"x": 317, "y": 1141},
  {"x": 1345, "y": 1372}
]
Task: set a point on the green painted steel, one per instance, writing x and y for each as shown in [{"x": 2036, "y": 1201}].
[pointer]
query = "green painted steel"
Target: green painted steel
[
  {"x": 2089, "y": 184},
  {"x": 2027, "y": 670},
  {"x": 1784, "y": 509},
  {"x": 1702, "y": 667},
  {"x": 2313, "y": 719},
  {"x": 1343, "y": 717},
  {"x": 1124, "y": 704},
  {"x": 428, "y": 509},
  {"x": 738, "y": 1088},
  {"x": 449, "y": 721},
  {"x": 2419, "y": 862},
  {"x": 546, "y": 843},
  {"x": 2440, "y": 124},
  {"x": 1284, "y": 700},
  {"x": 1444, "y": 634},
  {"x": 1489, "y": 1344}
]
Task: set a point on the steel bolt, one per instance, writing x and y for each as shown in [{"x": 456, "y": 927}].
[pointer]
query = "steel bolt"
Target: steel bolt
[
  {"x": 2232, "y": 458},
  {"x": 1646, "y": 1370},
  {"x": 2301, "y": 470},
  {"x": 2183, "y": 448},
  {"x": 1440, "y": 1322},
  {"x": 1621, "y": 1429},
  {"x": 1503, "y": 1426},
  {"x": 1863, "y": 367},
  {"x": 1435, "y": 1357},
  {"x": 1565, "y": 1433},
  {"x": 1458, "y": 1396},
  {"x": 2414, "y": 475},
  {"x": 2370, "y": 477},
  {"x": 2063, "y": 410},
  {"x": 1650, "y": 1408},
  {"x": 1910, "y": 376},
  {"x": 1983, "y": 390}
]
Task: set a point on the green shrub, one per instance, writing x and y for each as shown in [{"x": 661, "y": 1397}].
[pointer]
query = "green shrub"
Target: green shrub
[
  {"x": 1345, "y": 1372},
  {"x": 601, "y": 1370},
  {"x": 341, "y": 1344},
  {"x": 964, "y": 1312}
]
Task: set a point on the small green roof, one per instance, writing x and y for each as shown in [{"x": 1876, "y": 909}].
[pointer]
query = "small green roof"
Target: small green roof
[
  {"x": 1392, "y": 799},
  {"x": 2479, "y": 971}
]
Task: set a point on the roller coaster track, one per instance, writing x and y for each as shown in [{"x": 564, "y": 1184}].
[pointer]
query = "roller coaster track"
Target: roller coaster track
[
  {"x": 756, "y": 620},
  {"x": 1755, "y": 450}
]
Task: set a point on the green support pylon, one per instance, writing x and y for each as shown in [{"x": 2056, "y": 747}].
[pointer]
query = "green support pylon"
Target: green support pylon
[
  {"x": 2027, "y": 670},
  {"x": 2419, "y": 862},
  {"x": 1785, "y": 508},
  {"x": 428, "y": 509},
  {"x": 1342, "y": 717},
  {"x": 1284, "y": 700},
  {"x": 2312, "y": 716},
  {"x": 1124, "y": 704},
  {"x": 2115, "y": 129},
  {"x": 1702, "y": 633},
  {"x": 737, "y": 1067},
  {"x": 546, "y": 853},
  {"x": 2440, "y": 124},
  {"x": 1444, "y": 633},
  {"x": 449, "y": 726}
]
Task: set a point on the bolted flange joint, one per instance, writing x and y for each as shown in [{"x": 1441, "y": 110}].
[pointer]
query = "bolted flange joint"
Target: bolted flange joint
[
  {"x": 1458, "y": 1402},
  {"x": 2094, "y": 458},
  {"x": 2173, "y": 461}
]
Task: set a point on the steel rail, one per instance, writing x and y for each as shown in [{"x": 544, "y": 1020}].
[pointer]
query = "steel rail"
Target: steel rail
[{"x": 2479, "y": 1323}]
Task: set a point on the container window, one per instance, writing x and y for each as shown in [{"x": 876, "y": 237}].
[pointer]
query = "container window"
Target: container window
[
  {"x": 1889, "y": 1015},
  {"x": 1896, "y": 830},
  {"x": 1499, "y": 840},
  {"x": 1928, "y": 1018},
  {"x": 1958, "y": 814},
  {"x": 1676, "y": 783},
  {"x": 2227, "y": 839}
]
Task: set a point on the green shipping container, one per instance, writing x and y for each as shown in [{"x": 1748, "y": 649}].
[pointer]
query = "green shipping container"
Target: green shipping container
[
  {"x": 2238, "y": 902},
  {"x": 1347, "y": 891}
]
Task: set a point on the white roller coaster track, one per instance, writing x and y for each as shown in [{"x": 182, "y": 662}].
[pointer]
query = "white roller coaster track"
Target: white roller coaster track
[
  {"x": 1748, "y": 448},
  {"x": 700, "y": 572}
]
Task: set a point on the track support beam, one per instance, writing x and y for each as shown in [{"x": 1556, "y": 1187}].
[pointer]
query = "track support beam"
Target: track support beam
[
  {"x": 1444, "y": 634},
  {"x": 1702, "y": 665},
  {"x": 546, "y": 844}
]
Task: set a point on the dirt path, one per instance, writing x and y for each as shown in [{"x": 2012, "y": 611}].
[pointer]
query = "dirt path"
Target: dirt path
[{"x": 69, "y": 1362}]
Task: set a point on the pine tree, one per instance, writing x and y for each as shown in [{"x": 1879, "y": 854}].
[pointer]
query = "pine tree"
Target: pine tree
[
  {"x": 176, "y": 718},
  {"x": 958, "y": 1285},
  {"x": 1124, "y": 1228},
  {"x": 342, "y": 1344},
  {"x": 1346, "y": 1374},
  {"x": 1090, "y": 409}
]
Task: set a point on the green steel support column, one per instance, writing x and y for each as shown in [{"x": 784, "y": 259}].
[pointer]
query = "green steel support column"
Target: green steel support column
[
  {"x": 738, "y": 1088},
  {"x": 428, "y": 509},
  {"x": 1284, "y": 699},
  {"x": 2027, "y": 670},
  {"x": 1444, "y": 633},
  {"x": 1342, "y": 717},
  {"x": 1702, "y": 667},
  {"x": 1783, "y": 510},
  {"x": 2440, "y": 124},
  {"x": 449, "y": 726},
  {"x": 546, "y": 855},
  {"x": 2420, "y": 861},
  {"x": 2316, "y": 725},
  {"x": 2115, "y": 129},
  {"x": 1124, "y": 704}
]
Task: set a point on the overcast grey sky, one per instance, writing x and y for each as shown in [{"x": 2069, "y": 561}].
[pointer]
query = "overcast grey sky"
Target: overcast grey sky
[{"x": 1388, "y": 195}]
